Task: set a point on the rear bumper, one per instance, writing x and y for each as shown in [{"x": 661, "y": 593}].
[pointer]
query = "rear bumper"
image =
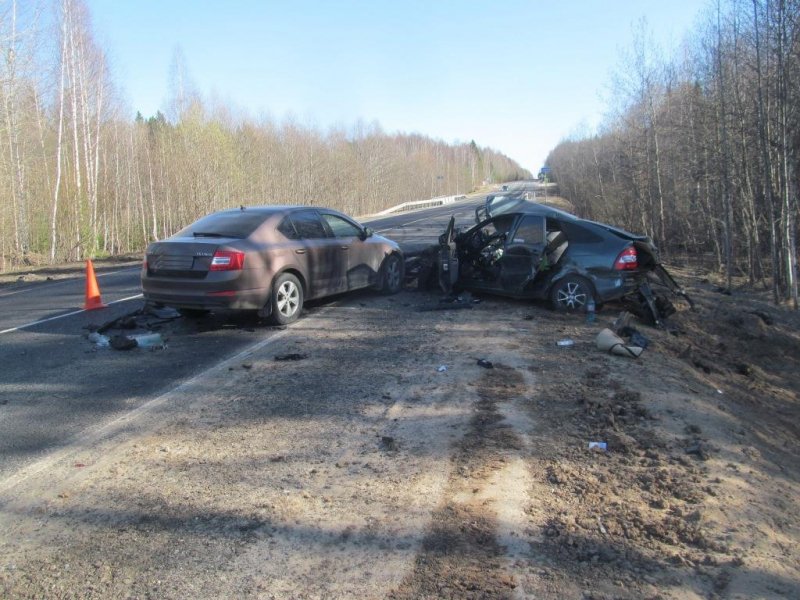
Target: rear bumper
[
  {"x": 220, "y": 294},
  {"x": 616, "y": 286},
  {"x": 236, "y": 301}
]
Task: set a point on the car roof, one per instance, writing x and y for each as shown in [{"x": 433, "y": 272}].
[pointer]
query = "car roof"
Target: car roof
[
  {"x": 276, "y": 208},
  {"x": 264, "y": 210},
  {"x": 510, "y": 205}
]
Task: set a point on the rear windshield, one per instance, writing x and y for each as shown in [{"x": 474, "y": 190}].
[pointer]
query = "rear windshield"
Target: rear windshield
[{"x": 239, "y": 224}]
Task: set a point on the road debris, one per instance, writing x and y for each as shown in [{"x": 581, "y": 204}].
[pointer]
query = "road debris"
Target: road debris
[
  {"x": 149, "y": 340},
  {"x": 388, "y": 443},
  {"x": 565, "y": 342},
  {"x": 608, "y": 341},
  {"x": 486, "y": 364},
  {"x": 98, "y": 339},
  {"x": 123, "y": 342},
  {"x": 453, "y": 302},
  {"x": 590, "y": 311},
  {"x": 291, "y": 356}
]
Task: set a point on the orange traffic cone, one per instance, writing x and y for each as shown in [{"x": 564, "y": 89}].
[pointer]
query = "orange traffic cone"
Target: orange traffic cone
[{"x": 93, "y": 300}]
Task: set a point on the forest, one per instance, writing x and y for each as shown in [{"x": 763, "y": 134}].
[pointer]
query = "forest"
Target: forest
[
  {"x": 83, "y": 176},
  {"x": 700, "y": 146}
]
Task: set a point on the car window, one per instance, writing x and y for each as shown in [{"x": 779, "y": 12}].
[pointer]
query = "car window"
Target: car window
[
  {"x": 308, "y": 225},
  {"x": 237, "y": 224},
  {"x": 504, "y": 224},
  {"x": 530, "y": 231},
  {"x": 580, "y": 234},
  {"x": 341, "y": 227},
  {"x": 287, "y": 229}
]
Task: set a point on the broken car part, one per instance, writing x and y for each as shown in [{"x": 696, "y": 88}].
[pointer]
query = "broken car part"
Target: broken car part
[{"x": 610, "y": 342}]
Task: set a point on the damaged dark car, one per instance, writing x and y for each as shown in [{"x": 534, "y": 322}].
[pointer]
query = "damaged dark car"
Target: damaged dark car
[{"x": 527, "y": 250}]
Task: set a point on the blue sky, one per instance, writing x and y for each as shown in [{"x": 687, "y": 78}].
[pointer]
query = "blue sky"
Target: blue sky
[{"x": 514, "y": 75}]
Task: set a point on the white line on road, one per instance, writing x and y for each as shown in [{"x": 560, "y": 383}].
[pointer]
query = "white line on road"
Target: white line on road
[
  {"x": 69, "y": 314},
  {"x": 91, "y": 436}
]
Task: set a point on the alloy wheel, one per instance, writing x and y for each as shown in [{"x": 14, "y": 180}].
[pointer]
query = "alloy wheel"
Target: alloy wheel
[
  {"x": 572, "y": 295},
  {"x": 393, "y": 274},
  {"x": 288, "y": 298}
]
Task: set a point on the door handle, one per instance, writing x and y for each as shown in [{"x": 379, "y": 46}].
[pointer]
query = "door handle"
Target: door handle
[
  {"x": 300, "y": 251},
  {"x": 345, "y": 247}
]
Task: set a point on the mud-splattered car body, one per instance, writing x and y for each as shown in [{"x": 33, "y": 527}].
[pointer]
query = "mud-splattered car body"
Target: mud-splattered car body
[
  {"x": 527, "y": 250},
  {"x": 267, "y": 259}
]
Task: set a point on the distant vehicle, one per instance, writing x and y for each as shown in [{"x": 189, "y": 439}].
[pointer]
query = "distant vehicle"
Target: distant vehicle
[
  {"x": 528, "y": 250},
  {"x": 268, "y": 259}
]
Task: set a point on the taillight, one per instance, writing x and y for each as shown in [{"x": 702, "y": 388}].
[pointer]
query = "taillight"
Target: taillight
[
  {"x": 227, "y": 260},
  {"x": 627, "y": 260},
  {"x": 144, "y": 264}
]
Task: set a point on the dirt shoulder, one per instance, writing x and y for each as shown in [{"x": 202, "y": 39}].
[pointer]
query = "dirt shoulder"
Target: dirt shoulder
[{"x": 367, "y": 470}]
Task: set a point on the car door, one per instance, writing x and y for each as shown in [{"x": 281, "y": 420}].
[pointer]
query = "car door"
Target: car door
[
  {"x": 357, "y": 256},
  {"x": 327, "y": 263},
  {"x": 448, "y": 258},
  {"x": 522, "y": 254}
]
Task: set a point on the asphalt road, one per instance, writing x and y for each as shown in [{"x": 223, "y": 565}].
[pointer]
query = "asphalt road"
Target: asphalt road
[{"x": 56, "y": 386}]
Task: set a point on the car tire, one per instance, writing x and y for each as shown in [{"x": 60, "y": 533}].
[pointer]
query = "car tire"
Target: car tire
[
  {"x": 392, "y": 273},
  {"x": 572, "y": 294},
  {"x": 287, "y": 299}
]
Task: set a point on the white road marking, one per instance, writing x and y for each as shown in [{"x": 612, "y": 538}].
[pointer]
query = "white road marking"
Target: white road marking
[
  {"x": 91, "y": 436},
  {"x": 69, "y": 314}
]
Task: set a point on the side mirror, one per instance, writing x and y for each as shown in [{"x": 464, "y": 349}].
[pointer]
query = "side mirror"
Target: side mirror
[{"x": 366, "y": 233}]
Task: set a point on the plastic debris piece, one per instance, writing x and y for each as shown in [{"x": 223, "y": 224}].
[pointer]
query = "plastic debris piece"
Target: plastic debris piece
[
  {"x": 442, "y": 368},
  {"x": 291, "y": 356},
  {"x": 486, "y": 364},
  {"x": 635, "y": 336},
  {"x": 149, "y": 340},
  {"x": 601, "y": 527},
  {"x": 610, "y": 342},
  {"x": 637, "y": 339},
  {"x": 123, "y": 342},
  {"x": 621, "y": 322},
  {"x": 566, "y": 342},
  {"x": 98, "y": 339},
  {"x": 127, "y": 323},
  {"x": 162, "y": 313},
  {"x": 590, "y": 311},
  {"x": 598, "y": 446}
]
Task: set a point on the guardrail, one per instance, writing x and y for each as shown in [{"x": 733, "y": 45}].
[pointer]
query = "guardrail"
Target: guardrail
[{"x": 440, "y": 201}]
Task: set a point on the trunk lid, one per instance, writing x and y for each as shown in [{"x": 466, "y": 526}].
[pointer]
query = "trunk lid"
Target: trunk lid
[{"x": 189, "y": 259}]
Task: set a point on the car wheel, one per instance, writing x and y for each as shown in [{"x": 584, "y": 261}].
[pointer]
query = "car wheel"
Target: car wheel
[
  {"x": 392, "y": 275},
  {"x": 287, "y": 299},
  {"x": 571, "y": 294}
]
